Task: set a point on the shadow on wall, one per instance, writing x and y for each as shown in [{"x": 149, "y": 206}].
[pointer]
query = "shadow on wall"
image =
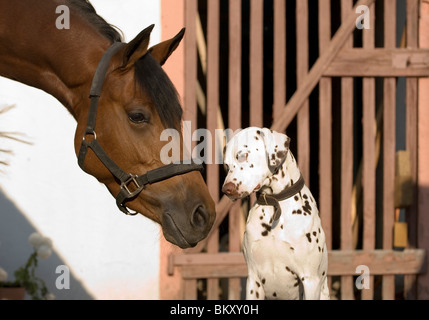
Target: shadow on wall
[{"x": 15, "y": 250}]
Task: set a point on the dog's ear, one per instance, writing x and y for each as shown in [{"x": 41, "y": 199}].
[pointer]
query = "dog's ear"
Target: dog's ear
[{"x": 276, "y": 148}]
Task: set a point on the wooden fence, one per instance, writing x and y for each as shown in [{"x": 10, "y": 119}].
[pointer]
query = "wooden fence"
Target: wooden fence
[{"x": 305, "y": 68}]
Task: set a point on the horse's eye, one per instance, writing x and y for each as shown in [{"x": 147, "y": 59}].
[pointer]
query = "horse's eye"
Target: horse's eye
[{"x": 137, "y": 117}]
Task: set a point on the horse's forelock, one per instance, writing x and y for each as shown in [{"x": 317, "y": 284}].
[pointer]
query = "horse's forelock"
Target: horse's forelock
[{"x": 151, "y": 78}]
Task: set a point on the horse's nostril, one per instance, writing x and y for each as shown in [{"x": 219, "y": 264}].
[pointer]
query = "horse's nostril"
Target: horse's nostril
[{"x": 199, "y": 217}]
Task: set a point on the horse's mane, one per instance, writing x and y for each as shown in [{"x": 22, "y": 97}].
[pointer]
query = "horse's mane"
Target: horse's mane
[
  {"x": 148, "y": 73},
  {"x": 85, "y": 8}
]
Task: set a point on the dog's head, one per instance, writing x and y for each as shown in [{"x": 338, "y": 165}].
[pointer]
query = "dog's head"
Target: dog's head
[{"x": 250, "y": 158}]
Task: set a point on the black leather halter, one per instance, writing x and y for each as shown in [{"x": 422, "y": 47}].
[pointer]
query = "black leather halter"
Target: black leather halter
[{"x": 131, "y": 184}]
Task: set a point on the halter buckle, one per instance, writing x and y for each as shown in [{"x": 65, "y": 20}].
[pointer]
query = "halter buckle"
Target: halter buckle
[{"x": 125, "y": 186}]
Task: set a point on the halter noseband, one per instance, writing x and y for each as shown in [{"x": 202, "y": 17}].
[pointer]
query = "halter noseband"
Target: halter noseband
[{"x": 127, "y": 192}]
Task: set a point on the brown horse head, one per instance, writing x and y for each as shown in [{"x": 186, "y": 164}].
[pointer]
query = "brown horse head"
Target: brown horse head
[{"x": 137, "y": 103}]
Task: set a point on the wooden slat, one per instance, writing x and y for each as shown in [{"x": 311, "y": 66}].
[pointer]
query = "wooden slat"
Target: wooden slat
[
  {"x": 389, "y": 147},
  {"x": 423, "y": 154},
  {"x": 342, "y": 263},
  {"x": 213, "y": 9},
  {"x": 190, "y": 98},
  {"x": 346, "y": 161},
  {"x": 234, "y": 110},
  {"x": 380, "y": 62},
  {"x": 303, "y": 119},
  {"x": 279, "y": 94},
  {"x": 369, "y": 154},
  {"x": 190, "y": 102},
  {"x": 256, "y": 62},
  {"x": 325, "y": 131},
  {"x": 411, "y": 138},
  {"x": 316, "y": 72}
]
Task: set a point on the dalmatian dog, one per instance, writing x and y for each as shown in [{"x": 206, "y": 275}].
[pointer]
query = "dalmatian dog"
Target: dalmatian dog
[{"x": 284, "y": 243}]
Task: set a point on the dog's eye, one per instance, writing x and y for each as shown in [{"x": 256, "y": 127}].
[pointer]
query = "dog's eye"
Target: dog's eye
[{"x": 242, "y": 156}]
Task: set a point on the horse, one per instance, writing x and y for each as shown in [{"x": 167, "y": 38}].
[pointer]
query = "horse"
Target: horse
[{"x": 132, "y": 100}]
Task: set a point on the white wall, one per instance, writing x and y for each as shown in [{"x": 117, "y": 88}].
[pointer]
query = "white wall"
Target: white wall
[{"x": 110, "y": 255}]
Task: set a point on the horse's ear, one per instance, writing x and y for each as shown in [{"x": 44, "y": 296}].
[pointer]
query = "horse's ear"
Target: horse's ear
[
  {"x": 137, "y": 48},
  {"x": 163, "y": 50}
]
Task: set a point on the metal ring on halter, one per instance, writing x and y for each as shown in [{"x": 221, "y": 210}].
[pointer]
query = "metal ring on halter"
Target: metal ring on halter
[{"x": 89, "y": 132}]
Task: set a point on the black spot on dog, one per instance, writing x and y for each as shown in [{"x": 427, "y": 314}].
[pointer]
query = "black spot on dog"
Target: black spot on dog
[
  {"x": 266, "y": 226},
  {"x": 314, "y": 233},
  {"x": 261, "y": 217},
  {"x": 257, "y": 295},
  {"x": 256, "y": 138},
  {"x": 258, "y": 132},
  {"x": 251, "y": 166},
  {"x": 319, "y": 230},
  {"x": 299, "y": 211},
  {"x": 302, "y": 279},
  {"x": 245, "y": 146},
  {"x": 305, "y": 196},
  {"x": 323, "y": 273},
  {"x": 264, "y": 233},
  {"x": 281, "y": 227},
  {"x": 263, "y": 281},
  {"x": 292, "y": 248},
  {"x": 281, "y": 154},
  {"x": 296, "y": 284},
  {"x": 307, "y": 207},
  {"x": 274, "y": 294},
  {"x": 308, "y": 235},
  {"x": 273, "y": 156},
  {"x": 296, "y": 198},
  {"x": 251, "y": 291},
  {"x": 258, "y": 284},
  {"x": 287, "y": 268}
]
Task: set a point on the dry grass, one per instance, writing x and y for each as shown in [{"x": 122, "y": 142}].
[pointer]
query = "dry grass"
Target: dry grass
[{"x": 16, "y": 136}]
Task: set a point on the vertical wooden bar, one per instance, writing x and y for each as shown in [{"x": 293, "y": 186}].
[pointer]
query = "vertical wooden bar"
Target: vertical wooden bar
[
  {"x": 346, "y": 160},
  {"x": 173, "y": 19},
  {"x": 369, "y": 164},
  {"x": 256, "y": 62},
  {"x": 411, "y": 139},
  {"x": 213, "y": 14},
  {"x": 302, "y": 70},
  {"x": 423, "y": 154},
  {"x": 190, "y": 99},
  {"x": 279, "y": 57},
  {"x": 389, "y": 148},
  {"x": 325, "y": 129},
  {"x": 234, "y": 111}
]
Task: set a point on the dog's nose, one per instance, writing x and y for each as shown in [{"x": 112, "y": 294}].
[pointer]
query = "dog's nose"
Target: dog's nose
[{"x": 228, "y": 188}]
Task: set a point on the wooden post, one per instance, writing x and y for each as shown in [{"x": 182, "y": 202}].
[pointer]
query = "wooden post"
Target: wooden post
[
  {"x": 172, "y": 19},
  {"x": 423, "y": 157}
]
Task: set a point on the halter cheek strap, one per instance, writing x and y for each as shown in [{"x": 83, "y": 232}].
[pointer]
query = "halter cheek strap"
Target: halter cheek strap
[{"x": 131, "y": 185}]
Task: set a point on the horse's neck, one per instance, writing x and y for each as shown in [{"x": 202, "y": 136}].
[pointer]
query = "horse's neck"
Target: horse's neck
[{"x": 34, "y": 52}]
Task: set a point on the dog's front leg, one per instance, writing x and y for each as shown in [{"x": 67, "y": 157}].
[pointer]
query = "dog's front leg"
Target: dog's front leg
[
  {"x": 254, "y": 289},
  {"x": 312, "y": 287}
]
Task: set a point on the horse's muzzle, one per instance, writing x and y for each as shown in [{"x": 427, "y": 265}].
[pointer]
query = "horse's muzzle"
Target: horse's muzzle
[{"x": 187, "y": 232}]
